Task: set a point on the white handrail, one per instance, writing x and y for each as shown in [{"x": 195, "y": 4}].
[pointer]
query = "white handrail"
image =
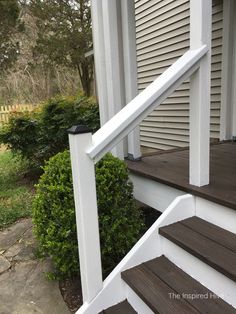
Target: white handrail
[
  {"x": 132, "y": 114},
  {"x": 87, "y": 149}
]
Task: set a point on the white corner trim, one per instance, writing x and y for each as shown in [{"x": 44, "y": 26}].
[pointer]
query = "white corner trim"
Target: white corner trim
[{"x": 227, "y": 94}]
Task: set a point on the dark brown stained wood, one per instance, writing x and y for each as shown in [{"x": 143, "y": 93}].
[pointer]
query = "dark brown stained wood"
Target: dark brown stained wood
[
  {"x": 210, "y": 252},
  {"x": 172, "y": 168},
  {"x": 213, "y": 232},
  {"x": 154, "y": 292},
  {"x": 205, "y": 301},
  {"x": 120, "y": 308}
]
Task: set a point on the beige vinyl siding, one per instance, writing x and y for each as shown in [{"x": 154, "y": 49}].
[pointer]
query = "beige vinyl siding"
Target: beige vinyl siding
[{"x": 162, "y": 36}]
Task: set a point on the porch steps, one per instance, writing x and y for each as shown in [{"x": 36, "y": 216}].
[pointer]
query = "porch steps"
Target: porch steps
[
  {"x": 162, "y": 287},
  {"x": 209, "y": 243},
  {"x": 184, "y": 263},
  {"x": 167, "y": 289}
]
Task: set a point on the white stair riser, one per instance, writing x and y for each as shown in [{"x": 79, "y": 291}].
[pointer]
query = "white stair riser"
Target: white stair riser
[
  {"x": 205, "y": 274},
  {"x": 217, "y": 214}
]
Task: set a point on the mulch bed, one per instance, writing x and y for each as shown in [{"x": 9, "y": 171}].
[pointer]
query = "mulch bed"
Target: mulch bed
[{"x": 71, "y": 293}]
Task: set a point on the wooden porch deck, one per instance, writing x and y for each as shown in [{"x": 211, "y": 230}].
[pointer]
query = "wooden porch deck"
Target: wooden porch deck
[{"x": 172, "y": 168}]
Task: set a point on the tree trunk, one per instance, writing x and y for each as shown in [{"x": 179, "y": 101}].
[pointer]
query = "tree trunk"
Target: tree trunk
[{"x": 86, "y": 76}]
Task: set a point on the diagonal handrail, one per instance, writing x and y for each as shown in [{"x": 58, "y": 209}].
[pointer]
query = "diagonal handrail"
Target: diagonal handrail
[{"x": 111, "y": 133}]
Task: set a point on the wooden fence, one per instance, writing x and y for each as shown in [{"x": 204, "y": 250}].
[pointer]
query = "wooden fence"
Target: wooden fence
[{"x": 6, "y": 110}]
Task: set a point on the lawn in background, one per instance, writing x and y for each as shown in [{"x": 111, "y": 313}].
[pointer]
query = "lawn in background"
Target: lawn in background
[{"x": 16, "y": 193}]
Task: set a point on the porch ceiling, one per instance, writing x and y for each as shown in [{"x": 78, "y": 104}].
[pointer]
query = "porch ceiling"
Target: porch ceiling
[{"x": 172, "y": 168}]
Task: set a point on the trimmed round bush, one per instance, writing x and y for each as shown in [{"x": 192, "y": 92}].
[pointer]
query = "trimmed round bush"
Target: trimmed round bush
[{"x": 120, "y": 220}]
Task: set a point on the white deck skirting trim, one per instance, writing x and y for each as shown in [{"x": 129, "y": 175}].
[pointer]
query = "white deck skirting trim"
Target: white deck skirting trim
[{"x": 153, "y": 194}]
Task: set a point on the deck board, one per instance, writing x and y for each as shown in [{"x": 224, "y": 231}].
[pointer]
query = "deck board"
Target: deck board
[
  {"x": 172, "y": 168},
  {"x": 154, "y": 292},
  {"x": 207, "y": 250},
  {"x": 186, "y": 286},
  {"x": 167, "y": 289},
  {"x": 213, "y": 232},
  {"x": 120, "y": 308}
]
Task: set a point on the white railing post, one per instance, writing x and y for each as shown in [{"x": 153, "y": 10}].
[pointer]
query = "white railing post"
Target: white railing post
[
  {"x": 84, "y": 186},
  {"x": 200, "y": 88},
  {"x": 130, "y": 69}
]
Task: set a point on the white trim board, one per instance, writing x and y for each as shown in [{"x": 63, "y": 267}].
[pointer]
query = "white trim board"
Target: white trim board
[
  {"x": 152, "y": 193},
  {"x": 228, "y": 95},
  {"x": 233, "y": 102}
]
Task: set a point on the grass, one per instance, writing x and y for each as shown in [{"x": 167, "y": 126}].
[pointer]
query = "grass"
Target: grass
[{"x": 16, "y": 193}]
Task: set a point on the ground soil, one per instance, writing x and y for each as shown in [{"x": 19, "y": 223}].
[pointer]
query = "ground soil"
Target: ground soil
[{"x": 71, "y": 293}]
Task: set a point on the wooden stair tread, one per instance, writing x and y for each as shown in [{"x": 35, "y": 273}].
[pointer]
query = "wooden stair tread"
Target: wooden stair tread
[
  {"x": 155, "y": 292},
  {"x": 211, "y": 231},
  {"x": 202, "y": 246},
  {"x": 120, "y": 308},
  {"x": 186, "y": 286}
]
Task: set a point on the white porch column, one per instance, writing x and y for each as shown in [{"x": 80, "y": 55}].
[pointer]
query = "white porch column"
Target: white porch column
[
  {"x": 100, "y": 58},
  {"x": 130, "y": 69},
  {"x": 114, "y": 61},
  {"x": 200, "y": 85}
]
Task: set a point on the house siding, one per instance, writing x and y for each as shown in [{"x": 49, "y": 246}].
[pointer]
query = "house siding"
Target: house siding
[{"x": 162, "y": 36}]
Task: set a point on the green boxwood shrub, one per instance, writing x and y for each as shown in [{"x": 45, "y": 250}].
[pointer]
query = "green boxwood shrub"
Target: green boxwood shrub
[
  {"x": 120, "y": 220},
  {"x": 20, "y": 134},
  {"x": 40, "y": 134}
]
